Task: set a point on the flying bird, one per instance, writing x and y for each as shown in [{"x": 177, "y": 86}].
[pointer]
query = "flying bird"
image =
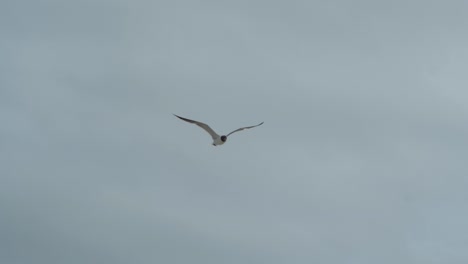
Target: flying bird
[{"x": 217, "y": 139}]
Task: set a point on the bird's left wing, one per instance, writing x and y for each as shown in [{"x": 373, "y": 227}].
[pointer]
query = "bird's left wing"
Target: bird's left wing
[
  {"x": 206, "y": 127},
  {"x": 242, "y": 128}
]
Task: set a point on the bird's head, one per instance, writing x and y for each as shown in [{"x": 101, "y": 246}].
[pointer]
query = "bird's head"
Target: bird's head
[{"x": 223, "y": 138}]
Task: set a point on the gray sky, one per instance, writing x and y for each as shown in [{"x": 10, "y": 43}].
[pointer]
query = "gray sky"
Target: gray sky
[{"x": 362, "y": 157}]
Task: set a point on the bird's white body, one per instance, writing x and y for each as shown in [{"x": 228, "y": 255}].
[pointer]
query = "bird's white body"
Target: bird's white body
[{"x": 217, "y": 141}]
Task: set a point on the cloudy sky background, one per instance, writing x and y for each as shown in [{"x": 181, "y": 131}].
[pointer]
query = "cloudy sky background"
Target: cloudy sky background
[{"x": 362, "y": 157}]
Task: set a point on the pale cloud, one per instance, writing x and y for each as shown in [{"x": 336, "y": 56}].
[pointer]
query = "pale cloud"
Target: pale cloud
[{"x": 361, "y": 158}]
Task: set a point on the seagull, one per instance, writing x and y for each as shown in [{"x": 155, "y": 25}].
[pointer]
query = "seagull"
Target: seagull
[{"x": 217, "y": 139}]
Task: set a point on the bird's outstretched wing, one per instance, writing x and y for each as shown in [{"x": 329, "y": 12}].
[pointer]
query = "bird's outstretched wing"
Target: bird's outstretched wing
[
  {"x": 202, "y": 125},
  {"x": 242, "y": 128}
]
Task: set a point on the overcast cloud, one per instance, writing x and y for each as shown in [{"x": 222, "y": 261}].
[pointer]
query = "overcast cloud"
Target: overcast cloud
[{"x": 362, "y": 157}]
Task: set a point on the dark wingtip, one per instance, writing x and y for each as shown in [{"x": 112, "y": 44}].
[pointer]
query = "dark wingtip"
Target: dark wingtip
[
  {"x": 186, "y": 119},
  {"x": 181, "y": 118}
]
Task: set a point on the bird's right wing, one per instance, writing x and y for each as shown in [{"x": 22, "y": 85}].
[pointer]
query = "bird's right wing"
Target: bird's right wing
[
  {"x": 242, "y": 128},
  {"x": 202, "y": 125}
]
